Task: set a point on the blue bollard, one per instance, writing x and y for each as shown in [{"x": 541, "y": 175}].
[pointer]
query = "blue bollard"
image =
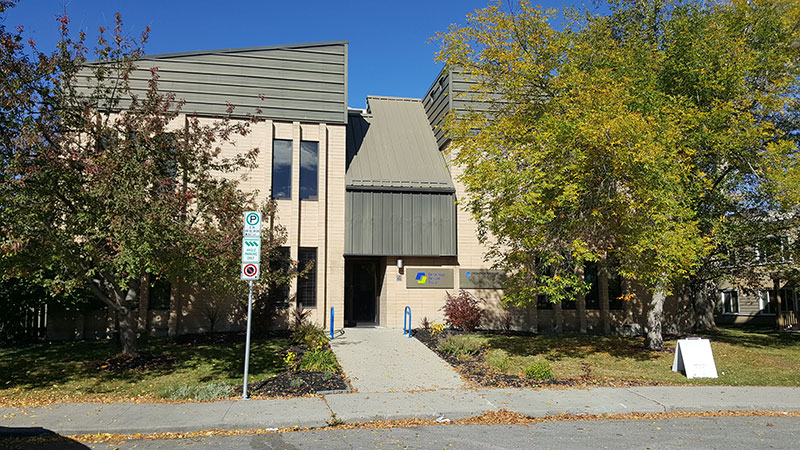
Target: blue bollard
[
  {"x": 407, "y": 321},
  {"x": 331, "y": 322}
]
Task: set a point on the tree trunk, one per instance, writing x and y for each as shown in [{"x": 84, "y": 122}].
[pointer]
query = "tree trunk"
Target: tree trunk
[
  {"x": 127, "y": 331},
  {"x": 602, "y": 280},
  {"x": 558, "y": 318},
  {"x": 652, "y": 338},
  {"x": 120, "y": 302},
  {"x": 703, "y": 299},
  {"x": 580, "y": 305}
]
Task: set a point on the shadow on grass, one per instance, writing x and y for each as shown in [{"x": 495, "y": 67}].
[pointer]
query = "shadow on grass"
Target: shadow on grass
[
  {"x": 43, "y": 365},
  {"x": 558, "y": 347},
  {"x": 755, "y": 337}
]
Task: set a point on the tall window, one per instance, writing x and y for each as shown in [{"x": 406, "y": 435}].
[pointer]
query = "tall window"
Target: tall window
[
  {"x": 309, "y": 169},
  {"x": 159, "y": 294},
  {"x": 281, "y": 169},
  {"x": 307, "y": 284},
  {"x": 729, "y": 302}
]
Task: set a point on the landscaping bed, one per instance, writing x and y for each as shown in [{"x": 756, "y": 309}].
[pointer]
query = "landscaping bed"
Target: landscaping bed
[{"x": 519, "y": 359}]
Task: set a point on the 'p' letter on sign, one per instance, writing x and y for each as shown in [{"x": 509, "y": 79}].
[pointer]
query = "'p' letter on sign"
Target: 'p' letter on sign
[{"x": 693, "y": 357}]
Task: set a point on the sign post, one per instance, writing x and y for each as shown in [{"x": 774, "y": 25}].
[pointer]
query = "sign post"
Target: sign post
[{"x": 251, "y": 269}]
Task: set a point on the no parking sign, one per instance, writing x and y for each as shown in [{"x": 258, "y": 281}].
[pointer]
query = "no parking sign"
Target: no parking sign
[{"x": 250, "y": 271}]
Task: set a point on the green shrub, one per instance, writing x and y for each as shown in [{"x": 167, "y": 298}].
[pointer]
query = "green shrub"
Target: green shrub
[
  {"x": 209, "y": 391},
  {"x": 296, "y": 382},
  {"x": 539, "y": 371},
  {"x": 498, "y": 359},
  {"x": 319, "y": 361},
  {"x": 310, "y": 334},
  {"x": 460, "y": 346}
]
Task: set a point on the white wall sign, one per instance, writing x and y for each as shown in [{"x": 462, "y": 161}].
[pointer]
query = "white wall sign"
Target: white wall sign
[{"x": 693, "y": 357}]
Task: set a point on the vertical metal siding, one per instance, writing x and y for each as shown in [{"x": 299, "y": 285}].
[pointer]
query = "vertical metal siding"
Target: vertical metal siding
[{"x": 387, "y": 223}]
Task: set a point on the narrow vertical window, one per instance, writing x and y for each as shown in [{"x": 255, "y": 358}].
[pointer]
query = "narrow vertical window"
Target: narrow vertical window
[
  {"x": 307, "y": 283},
  {"x": 309, "y": 169},
  {"x": 282, "y": 169}
]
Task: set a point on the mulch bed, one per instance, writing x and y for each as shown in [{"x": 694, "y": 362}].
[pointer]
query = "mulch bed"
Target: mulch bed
[
  {"x": 297, "y": 383},
  {"x": 141, "y": 362},
  {"x": 478, "y": 372}
]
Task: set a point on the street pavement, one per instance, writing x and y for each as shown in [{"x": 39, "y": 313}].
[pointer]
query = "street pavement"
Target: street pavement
[
  {"x": 728, "y": 433},
  {"x": 129, "y": 418}
]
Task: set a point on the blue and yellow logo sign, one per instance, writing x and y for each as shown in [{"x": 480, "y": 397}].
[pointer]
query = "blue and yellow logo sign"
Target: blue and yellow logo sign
[{"x": 421, "y": 278}]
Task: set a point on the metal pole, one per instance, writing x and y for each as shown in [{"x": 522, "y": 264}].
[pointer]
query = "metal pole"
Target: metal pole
[{"x": 247, "y": 343}]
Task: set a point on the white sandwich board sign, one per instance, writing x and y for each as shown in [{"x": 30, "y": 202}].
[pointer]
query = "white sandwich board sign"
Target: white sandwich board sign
[{"x": 694, "y": 358}]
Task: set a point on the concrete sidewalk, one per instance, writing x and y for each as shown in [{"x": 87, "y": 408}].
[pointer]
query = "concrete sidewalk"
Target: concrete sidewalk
[
  {"x": 130, "y": 418},
  {"x": 384, "y": 360}
]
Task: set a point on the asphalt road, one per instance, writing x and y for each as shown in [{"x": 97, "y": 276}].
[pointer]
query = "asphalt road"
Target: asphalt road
[{"x": 699, "y": 433}]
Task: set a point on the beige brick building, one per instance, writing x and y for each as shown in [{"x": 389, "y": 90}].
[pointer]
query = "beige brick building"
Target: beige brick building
[{"x": 367, "y": 196}]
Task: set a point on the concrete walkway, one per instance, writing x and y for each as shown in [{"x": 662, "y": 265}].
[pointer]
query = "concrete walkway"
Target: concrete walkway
[
  {"x": 130, "y": 418},
  {"x": 385, "y": 360}
]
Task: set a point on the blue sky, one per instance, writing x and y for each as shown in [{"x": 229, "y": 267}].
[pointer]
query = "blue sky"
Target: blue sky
[{"x": 389, "y": 50}]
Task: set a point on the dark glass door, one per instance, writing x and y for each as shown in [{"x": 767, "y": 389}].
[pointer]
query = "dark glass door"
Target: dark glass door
[{"x": 361, "y": 292}]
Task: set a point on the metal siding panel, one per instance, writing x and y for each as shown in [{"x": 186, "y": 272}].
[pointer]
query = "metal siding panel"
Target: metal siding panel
[
  {"x": 427, "y": 223},
  {"x": 438, "y": 233},
  {"x": 368, "y": 221},
  {"x": 358, "y": 223},
  {"x": 408, "y": 224},
  {"x": 208, "y": 81},
  {"x": 397, "y": 222},
  {"x": 348, "y": 222},
  {"x": 416, "y": 205},
  {"x": 387, "y": 242},
  {"x": 377, "y": 221}
]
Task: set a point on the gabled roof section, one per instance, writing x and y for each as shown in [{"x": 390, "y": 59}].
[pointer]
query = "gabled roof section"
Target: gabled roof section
[
  {"x": 302, "y": 82},
  {"x": 392, "y": 147}
]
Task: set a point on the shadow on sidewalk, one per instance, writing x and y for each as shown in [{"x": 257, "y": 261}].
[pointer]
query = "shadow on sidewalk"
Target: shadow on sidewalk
[{"x": 29, "y": 438}]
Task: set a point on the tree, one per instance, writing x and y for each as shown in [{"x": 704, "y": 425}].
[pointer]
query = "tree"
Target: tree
[
  {"x": 633, "y": 136},
  {"x": 102, "y": 186}
]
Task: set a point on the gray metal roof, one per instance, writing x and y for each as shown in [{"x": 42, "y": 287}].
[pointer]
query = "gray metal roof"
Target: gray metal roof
[
  {"x": 303, "y": 82},
  {"x": 392, "y": 147}
]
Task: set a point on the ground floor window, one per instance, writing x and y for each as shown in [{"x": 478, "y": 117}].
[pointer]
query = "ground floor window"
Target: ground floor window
[
  {"x": 729, "y": 302},
  {"x": 307, "y": 284},
  {"x": 768, "y": 301}
]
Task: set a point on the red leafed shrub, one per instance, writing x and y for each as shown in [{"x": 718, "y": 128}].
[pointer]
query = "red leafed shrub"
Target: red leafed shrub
[{"x": 462, "y": 311}]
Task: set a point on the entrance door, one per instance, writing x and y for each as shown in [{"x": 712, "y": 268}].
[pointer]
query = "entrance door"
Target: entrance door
[{"x": 361, "y": 292}]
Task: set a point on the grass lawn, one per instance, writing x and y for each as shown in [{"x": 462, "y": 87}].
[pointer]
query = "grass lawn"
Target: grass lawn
[
  {"x": 743, "y": 357},
  {"x": 55, "y": 372}
]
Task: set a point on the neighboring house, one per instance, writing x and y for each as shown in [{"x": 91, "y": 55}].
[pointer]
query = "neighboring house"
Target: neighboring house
[{"x": 367, "y": 196}]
